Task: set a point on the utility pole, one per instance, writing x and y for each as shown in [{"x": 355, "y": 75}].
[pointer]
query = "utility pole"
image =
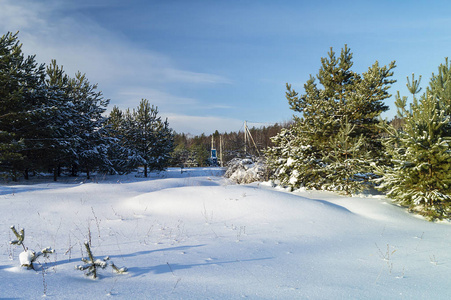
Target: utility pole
[
  {"x": 248, "y": 137},
  {"x": 245, "y": 138},
  {"x": 220, "y": 151}
]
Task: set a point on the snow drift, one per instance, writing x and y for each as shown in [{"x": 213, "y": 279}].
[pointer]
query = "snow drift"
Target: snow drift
[{"x": 196, "y": 235}]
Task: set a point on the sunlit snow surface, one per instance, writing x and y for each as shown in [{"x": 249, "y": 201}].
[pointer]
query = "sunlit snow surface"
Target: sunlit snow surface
[{"x": 195, "y": 235}]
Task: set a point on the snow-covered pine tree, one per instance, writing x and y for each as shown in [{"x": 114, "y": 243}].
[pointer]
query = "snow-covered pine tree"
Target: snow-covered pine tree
[
  {"x": 162, "y": 148},
  {"x": 419, "y": 174},
  {"x": 90, "y": 142},
  {"x": 293, "y": 160},
  {"x": 47, "y": 120},
  {"x": 302, "y": 155},
  {"x": 115, "y": 152},
  {"x": 121, "y": 154},
  {"x": 52, "y": 147},
  {"x": 152, "y": 138},
  {"x": 142, "y": 139},
  {"x": 23, "y": 104},
  {"x": 346, "y": 163}
]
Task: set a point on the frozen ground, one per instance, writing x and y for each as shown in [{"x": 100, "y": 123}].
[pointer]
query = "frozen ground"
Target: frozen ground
[{"x": 197, "y": 236}]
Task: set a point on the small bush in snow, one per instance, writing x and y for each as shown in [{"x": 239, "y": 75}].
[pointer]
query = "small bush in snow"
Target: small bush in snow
[
  {"x": 28, "y": 257},
  {"x": 92, "y": 264},
  {"x": 247, "y": 170}
]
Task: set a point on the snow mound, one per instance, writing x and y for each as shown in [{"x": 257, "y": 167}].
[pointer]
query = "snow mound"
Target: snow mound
[{"x": 188, "y": 234}]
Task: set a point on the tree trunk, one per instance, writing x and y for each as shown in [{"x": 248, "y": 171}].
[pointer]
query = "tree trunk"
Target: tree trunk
[
  {"x": 74, "y": 170},
  {"x": 55, "y": 174},
  {"x": 14, "y": 176},
  {"x": 145, "y": 170}
]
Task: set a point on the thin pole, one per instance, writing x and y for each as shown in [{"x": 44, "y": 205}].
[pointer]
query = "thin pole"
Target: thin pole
[
  {"x": 220, "y": 150},
  {"x": 245, "y": 137}
]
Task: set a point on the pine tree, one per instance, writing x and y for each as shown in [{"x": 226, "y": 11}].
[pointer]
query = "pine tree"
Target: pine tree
[
  {"x": 47, "y": 120},
  {"x": 90, "y": 143},
  {"x": 141, "y": 139},
  {"x": 346, "y": 162},
  {"x": 419, "y": 174},
  {"x": 23, "y": 104},
  {"x": 344, "y": 108},
  {"x": 163, "y": 146},
  {"x": 152, "y": 138},
  {"x": 292, "y": 160},
  {"x": 114, "y": 131},
  {"x": 121, "y": 153},
  {"x": 53, "y": 147},
  {"x": 179, "y": 156}
]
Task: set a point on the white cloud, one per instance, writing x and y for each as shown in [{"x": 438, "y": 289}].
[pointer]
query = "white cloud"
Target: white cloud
[
  {"x": 79, "y": 43},
  {"x": 193, "y": 77},
  {"x": 132, "y": 95},
  {"x": 125, "y": 72},
  {"x": 164, "y": 99},
  {"x": 202, "y": 124},
  {"x": 14, "y": 16}
]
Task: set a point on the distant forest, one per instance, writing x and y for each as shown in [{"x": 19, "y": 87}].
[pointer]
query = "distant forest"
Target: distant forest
[{"x": 193, "y": 151}]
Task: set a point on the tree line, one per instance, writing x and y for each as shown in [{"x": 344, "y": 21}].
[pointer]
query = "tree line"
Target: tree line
[
  {"x": 339, "y": 142},
  {"x": 195, "y": 151},
  {"x": 52, "y": 122}
]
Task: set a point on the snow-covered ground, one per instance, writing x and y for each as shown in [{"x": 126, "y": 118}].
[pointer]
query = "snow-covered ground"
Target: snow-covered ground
[{"x": 197, "y": 236}]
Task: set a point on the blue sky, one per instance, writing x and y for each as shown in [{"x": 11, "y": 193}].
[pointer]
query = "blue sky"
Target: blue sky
[{"x": 210, "y": 65}]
